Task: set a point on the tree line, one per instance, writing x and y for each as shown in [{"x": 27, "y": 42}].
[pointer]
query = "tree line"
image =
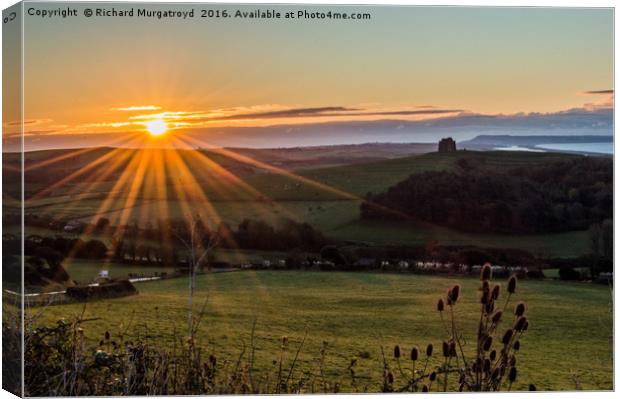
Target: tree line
[{"x": 555, "y": 197}]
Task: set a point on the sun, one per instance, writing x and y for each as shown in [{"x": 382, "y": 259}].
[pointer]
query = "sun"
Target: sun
[{"x": 156, "y": 127}]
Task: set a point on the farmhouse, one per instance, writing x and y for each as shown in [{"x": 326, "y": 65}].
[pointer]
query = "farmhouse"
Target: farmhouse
[{"x": 73, "y": 226}]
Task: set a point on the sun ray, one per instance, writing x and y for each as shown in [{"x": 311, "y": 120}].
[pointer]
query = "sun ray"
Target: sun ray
[
  {"x": 256, "y": 200},
  {"x": 99, "y": 178},
  {"x": 76, "y": 153},
  {"x": 293, "y": 176}
]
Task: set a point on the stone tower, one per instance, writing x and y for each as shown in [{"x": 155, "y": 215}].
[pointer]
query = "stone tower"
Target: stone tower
[{"x": 447, "y": 145}]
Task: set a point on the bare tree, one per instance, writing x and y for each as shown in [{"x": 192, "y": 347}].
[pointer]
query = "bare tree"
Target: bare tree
[{"x": 199, "y": 242}]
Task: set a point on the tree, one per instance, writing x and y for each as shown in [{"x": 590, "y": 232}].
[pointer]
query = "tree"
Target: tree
[
  {"x": 199, "y": 244},
  {"x": 102, "y": 224},
  {"x": 601, "y": 240}
]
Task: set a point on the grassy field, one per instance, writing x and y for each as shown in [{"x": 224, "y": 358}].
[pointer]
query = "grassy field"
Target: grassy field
[
  {"x": 569, "y": 341},
  {"x": 316, "y": 196}
]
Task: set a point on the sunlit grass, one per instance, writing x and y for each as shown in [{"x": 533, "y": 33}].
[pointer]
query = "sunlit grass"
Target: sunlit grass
[{"x": 570, "y": 338}]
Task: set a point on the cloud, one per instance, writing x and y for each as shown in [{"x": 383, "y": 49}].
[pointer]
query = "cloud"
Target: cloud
[
  {"x": 29, "y": 122},
  {"x": 291, "y": 113},
  {"x": 137, "y": 108},
  {"x": 610, "y": 91},
  {"x": 424, "y": 112}
]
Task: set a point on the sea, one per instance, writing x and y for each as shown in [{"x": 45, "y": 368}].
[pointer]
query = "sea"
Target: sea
[
  {"x": 591, "y": 148},
  {"x": 596, "y": 148}
]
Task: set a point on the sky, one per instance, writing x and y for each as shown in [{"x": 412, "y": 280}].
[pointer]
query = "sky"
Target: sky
[{"x": 103, "y": 78}]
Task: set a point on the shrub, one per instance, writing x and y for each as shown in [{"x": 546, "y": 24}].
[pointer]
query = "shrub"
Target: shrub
[{"x": 568, "y": 273}]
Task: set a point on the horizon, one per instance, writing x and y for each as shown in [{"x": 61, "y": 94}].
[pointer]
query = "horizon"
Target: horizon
[{"x": 513, "y": 71}]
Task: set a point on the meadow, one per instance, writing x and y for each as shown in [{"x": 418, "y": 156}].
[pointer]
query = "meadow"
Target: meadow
[
  {"x": 326, "y": 197},
  {"x": 568, "y": 346}
]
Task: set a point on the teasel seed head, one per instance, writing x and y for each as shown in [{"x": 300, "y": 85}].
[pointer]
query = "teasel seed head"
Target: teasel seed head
[
  {"x": 485, "y": 273},
  {"x": 429, "y": 350},
  {"x": 390, "y": 377},
  {"x": 512, "y": 284},
  {"x": 212, "y": 360},
  {"x": 512, "y": 361},
  {"x": 446, "y": 349},
  {"x": 519, "y": 309},
  {"x": 452, "y": 348},
  {"x": 432, "y": 376},
  {"x": 414, "y": 353},
  {"x": 487, "y": 343},
  {"x": 497, "y": 316},
  {"x": 107, "y": 335},
  {"x": 453, "y": 293},
  {"x": 484, "y": 297},
  {"x": 397, "y": 352},
  {"x": 520, "y": 324},
  {"x": 495, "y": 291},
  {"x": 487, "y": 365},
  {"x": 490, "y": 306},
  {"x": 425, "y": 388},
  {"x": 512, "y": 374},
  {"x": 440, "y": 305},
  {"x": 493, "y": 354},
  {"x": 507, "y": 336},
  {"x": 478, "y": 364},
  {"x": 517, "y": 346},
  {"x": 532, "y": 387}
]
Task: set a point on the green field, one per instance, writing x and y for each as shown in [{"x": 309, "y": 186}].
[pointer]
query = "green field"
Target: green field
[
  {"x": 320, "y": 203},
  {"x": 569, "y": 343}
]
